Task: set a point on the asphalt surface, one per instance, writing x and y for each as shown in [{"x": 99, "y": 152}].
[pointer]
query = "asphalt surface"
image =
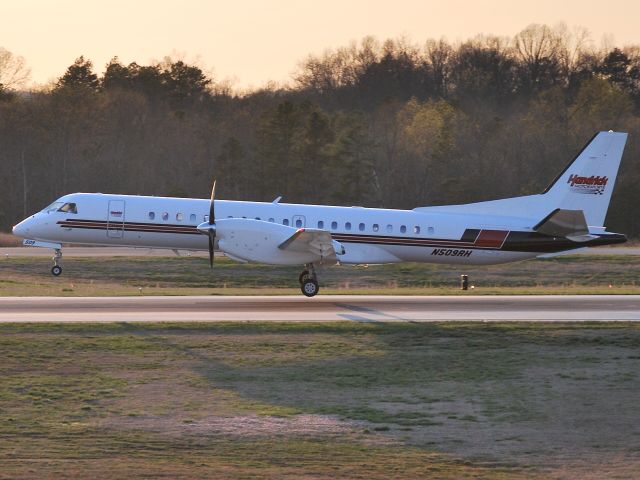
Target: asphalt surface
[{"x": 574, "y": 308}]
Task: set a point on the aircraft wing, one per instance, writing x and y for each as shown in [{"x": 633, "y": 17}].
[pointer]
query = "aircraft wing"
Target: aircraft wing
[{"x": 318, "y": 242}]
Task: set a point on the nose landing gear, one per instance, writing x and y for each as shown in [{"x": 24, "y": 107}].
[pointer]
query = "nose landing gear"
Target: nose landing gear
[
  {"x": 308, "y": 281},
  {"x": 56, "y": 270}
]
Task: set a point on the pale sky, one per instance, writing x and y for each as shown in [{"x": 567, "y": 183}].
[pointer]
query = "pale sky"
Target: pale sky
[{"x": 252, "y": 42}]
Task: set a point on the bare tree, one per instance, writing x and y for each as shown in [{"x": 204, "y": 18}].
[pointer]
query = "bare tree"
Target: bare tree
[
  {"x": 438, "y": 55},
  {"x": 574, "y": 45},
  {"x": 14, "y": 72},
  {"x": 538, "y": 48}
]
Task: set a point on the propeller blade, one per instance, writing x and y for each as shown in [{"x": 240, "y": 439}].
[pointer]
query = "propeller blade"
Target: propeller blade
[
  {"x": 212, "y": 237},
  {"x": 212, "y": 215}
]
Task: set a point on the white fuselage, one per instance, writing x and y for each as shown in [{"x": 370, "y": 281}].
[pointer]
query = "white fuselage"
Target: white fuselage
[{"x": 369, "y": 235}]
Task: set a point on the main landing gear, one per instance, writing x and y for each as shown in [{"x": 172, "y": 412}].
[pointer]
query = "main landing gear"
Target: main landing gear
[
  {"x": 308, "y": 281},
  {"x": 56, "y": 270}
]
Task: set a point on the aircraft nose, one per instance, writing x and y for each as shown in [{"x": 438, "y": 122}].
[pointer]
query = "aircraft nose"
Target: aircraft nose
[{"x": 21, "y": 229}]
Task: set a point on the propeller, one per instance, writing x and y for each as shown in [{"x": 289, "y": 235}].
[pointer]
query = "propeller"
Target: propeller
[
  {"x": 209, "y": 228},
  {"x": 212, "y": 223}
]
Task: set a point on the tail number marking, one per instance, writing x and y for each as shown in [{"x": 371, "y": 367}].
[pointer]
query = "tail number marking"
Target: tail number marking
[{"x": 450, "y": 252}]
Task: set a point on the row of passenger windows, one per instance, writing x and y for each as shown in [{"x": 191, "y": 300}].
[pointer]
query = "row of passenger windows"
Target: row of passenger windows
[
  {"x": 348, "y": 226},
  {"x": 389, "y": 228},
  {"x": 179, "y": 216}
]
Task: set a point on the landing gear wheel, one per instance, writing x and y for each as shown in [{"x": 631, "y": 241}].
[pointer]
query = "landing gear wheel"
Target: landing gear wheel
[
  {"x": 303, "y": 276},
  {"x": 310, "y": 287},
  {"x": 56, "y": 270}
]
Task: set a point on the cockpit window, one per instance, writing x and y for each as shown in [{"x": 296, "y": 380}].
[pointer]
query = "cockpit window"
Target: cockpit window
[
  {"x": 53, "y": 207},
  {"x": 68, "y": 208}
]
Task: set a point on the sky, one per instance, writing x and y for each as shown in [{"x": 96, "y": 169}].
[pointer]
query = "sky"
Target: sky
[{"x": 251, "y": 42}]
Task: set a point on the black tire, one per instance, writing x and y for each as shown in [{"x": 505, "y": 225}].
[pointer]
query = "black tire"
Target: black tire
[
  {"x": 310, "y": 287},
  {"x": 56, "y": 270},
  {"x": 303, "y": 276}
]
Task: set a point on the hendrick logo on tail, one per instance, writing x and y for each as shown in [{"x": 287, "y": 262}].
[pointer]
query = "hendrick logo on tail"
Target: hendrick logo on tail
[{"x": 593, "y": 185}]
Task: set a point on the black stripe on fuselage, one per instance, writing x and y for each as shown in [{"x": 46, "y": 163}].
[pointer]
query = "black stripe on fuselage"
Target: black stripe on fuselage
[
  {"x": 130, "y": 226},
  {"x": 516, "y": 241}
]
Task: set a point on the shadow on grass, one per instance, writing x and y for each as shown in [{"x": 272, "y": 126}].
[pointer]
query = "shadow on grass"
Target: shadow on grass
[{"x": 492, "y": 390}]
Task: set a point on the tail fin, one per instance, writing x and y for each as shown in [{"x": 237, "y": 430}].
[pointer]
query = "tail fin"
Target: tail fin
[{"x": 587, "y": 182}]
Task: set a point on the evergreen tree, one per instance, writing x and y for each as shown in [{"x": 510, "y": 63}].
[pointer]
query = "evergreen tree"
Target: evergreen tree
[{"x": 80, "y": 76}]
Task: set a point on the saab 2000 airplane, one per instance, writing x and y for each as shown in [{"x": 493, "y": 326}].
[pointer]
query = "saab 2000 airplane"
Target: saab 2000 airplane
[{"x": 568, "y": 215}]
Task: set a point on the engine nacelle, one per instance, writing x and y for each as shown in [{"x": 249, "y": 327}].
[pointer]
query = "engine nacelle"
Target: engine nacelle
[{"x": 258, "y": 241}]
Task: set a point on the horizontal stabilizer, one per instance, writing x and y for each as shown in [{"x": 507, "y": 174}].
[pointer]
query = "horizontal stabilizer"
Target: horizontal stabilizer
[{"x": 564, "y": 223}]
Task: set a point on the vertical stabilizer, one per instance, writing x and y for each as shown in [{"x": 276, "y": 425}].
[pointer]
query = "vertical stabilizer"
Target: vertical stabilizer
[{"x": 587, "y": 182}]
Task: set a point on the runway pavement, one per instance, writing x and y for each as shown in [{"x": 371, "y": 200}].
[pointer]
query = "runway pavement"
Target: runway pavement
[{"x": 574, "y": 308}]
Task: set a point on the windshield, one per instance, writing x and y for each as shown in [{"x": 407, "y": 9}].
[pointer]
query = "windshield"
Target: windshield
[
  {"x": 53, "y": 207},
  {"x": 68, "y": 208}
]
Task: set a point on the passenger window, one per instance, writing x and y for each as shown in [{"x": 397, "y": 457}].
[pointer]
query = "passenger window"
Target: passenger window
[
  {"x": 403, "y": 229},
  {"x": 361, "y": 227},
  {"x": 416, "y": 230},
  {"x": 298, "y": 223},
  {"x": 179, "y": 217},
  {"x": 320, "y": 224},
  {"x": 285, "y": 221},
  {"x": 68, "y": 208},
  {"x": 334, "y": 225},
  {"x": 192, "y": 217},
  {"x": 389, "y": 228},
  {"x": 271, "y": 220},
  {"x": 165, "y": 216},
  {"x": 152, "y": 215},
  {"x": 347, "y": 226},
  {"x": 206, "y": 218},
  {"x": 375, "y": 227},
  {"x": 431, "y": 230},
  {"x": 257, "y": 218}
]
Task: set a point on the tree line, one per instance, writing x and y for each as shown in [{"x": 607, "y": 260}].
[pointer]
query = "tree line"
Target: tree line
[{"x": 391, "y": 124}]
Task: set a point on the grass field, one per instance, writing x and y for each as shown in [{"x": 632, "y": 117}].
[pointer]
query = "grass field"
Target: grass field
[
  {"x": 186, "y": 276},
  {"x": 9, "y": 240},
  {"x": 314, "y": 401}
]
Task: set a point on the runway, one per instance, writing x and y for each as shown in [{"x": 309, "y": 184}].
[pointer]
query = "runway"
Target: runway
[{"x": 574, "y": 308}]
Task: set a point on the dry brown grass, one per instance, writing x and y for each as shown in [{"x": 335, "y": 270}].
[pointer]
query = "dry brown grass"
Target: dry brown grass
[
  {"x": 338, "y": 400},
  {"x": 9, "y": 240},
  {"x": 138, "y": 402},
  {"x": 191, "y": 276}
]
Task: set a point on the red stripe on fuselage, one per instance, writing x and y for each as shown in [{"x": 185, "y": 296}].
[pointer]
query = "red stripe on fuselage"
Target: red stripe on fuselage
[{"x": 491, "y": 238}]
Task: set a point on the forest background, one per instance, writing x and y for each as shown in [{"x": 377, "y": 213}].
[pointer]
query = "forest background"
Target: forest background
[{"x": 391, "y": 124}]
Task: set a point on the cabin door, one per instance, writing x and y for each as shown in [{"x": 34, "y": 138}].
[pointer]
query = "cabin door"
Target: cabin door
[{"x": 115, "y": 219}]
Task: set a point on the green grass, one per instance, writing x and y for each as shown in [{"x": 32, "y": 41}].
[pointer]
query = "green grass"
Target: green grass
[
  {"x": 400, "y": 400},
  {"x": 191, "y": 276}
]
